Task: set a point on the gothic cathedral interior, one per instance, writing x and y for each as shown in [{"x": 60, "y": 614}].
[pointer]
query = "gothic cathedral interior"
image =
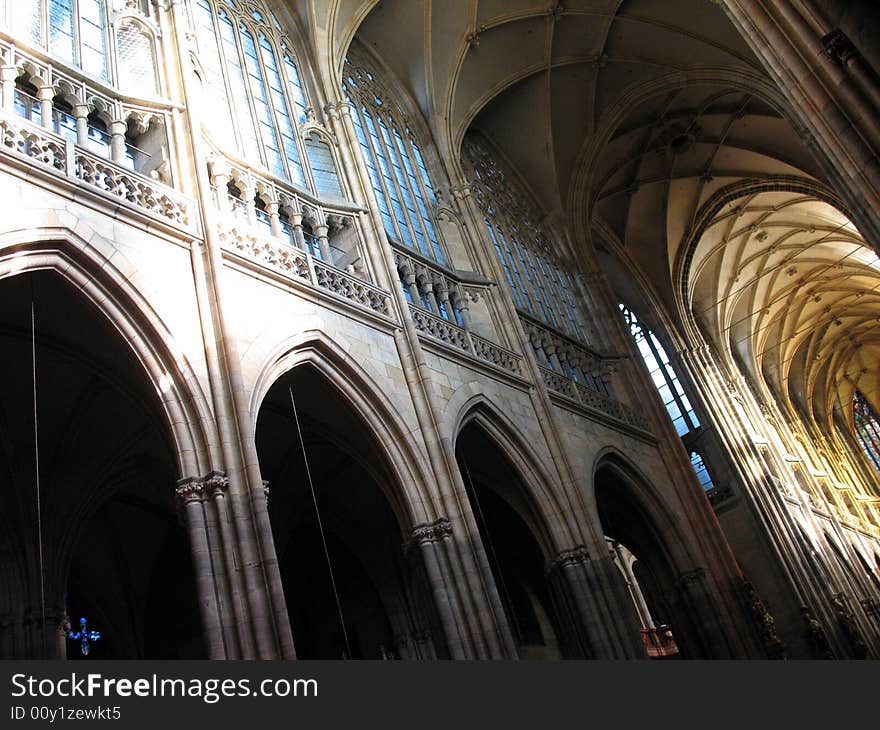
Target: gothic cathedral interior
[{"x": 440, "y": 329}]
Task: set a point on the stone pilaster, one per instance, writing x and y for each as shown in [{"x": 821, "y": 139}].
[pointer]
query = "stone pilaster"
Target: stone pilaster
[{"x": 599, "y": 617}]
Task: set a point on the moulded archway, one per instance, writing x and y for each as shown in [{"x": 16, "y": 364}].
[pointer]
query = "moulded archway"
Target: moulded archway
[
  {"x": 675, "y": 595},
  {"x": 109, "y": 545},
  {"x": 517, "y": 540},
  {"x": 340, "y": 521}
]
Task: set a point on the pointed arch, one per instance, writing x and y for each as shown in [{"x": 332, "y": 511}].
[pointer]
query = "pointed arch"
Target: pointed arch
[
  {"x": 366, "y": 399},
  {"x": 71, "y": 255},
  {"x": 646, "y": 496},
  {"x": 546, "y": 514}
]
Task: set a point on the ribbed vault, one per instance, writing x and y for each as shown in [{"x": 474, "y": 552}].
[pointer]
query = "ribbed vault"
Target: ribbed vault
[
  {"x": 783, "y": 280},
  {"x": 629, "y": 118}
]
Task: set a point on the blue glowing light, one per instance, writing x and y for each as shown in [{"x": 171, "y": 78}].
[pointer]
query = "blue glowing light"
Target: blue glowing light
[{"x": 84, "y": 636}]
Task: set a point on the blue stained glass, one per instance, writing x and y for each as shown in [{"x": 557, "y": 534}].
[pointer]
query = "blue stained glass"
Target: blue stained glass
[
  {"x": 664, "y": 376},
  {"x": 61, "y": 29},
  {"x": 93, "y": 38},
  {"x": 219, "y": 114},
  {"x": 299, "y": 97},
  {"x": 282, "y": 112},
  {"x": 248, "y": 134},
  {"x": 263, "y": 111},
  {"x": 26, "y": 20},
  {"x": 867, "y": 428},
  {"x": 323, "y": 167},
  {"x": 702, "y": 472}
]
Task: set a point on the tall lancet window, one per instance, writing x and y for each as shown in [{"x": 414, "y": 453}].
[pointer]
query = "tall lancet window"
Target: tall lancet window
[
  {"x": 394, "y": 160},
  {"x": 540, "y": 285},
  {"x": 257, "y": 104},
  {"x": 867, "y": 428},
  {"x": 75, "y": 31},
  {"x": 702, "y": 471},
  {"x": 663, "y": 374}
]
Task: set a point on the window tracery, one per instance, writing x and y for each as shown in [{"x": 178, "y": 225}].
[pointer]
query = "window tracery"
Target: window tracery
[
  {"x": 394, "y": 161},
  {"x": 867, "y": 428},
  {"x": 79, "y": 33},
  {"x": 662, "y": 374},
  {"x": 258, "y": 105},
  {"x": 540, "y": 286}
]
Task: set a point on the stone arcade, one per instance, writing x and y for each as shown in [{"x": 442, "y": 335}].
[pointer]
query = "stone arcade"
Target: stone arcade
[{"x": 415, "y": 330}]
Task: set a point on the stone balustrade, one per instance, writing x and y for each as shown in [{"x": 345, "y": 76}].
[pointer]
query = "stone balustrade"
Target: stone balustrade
[
  {"x": 21, "y": 138},
  {"x": 593, "y": 400},
  {"x": 574, "y": 360},
  {"x": 459, "y": 338},
  {"x": 301, "y": 266}
]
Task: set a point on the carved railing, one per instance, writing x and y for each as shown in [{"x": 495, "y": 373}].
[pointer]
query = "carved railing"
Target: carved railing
[
  {"x": 288, "y": 260},
  {"x": 301, "y": 266},
  {"x": 459, "y": 338},
  {"x": 567, "y": 356},
  {"x": 136, "y": 189},
  {"x": 23, "y": 138},
  {"x": 440, "y": 328},
  {"x": 352, "y": 288},
  {"x": 592, "y": 399}
]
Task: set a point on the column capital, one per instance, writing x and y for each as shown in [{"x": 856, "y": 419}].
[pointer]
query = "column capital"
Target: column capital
[
  {"x": 838, "y": 47},
  {"x": 572, "y": 556},
  {"x": 198, "y": 489},
  {"x": 429, "y": 532}
]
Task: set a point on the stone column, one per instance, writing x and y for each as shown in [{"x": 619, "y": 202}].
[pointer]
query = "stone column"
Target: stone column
[
  {"x": 249, "y": 194},
  {"x": 118, "y": 128},
  {"x": 602, "y": 620},
  {"x": 81, "y": 114},
  {"x": 191, "y": 495},
  {"x": 706, "y": 625},
  {"x": 8, "y": 75},
  {"x": 459, "y": 302},
  {"x": 432, "y": 540},
  {"x": 46, "y": 94},
  {"x": 320, "y": 232},
  {"x": 274, "y": 219},
  {"x": 272, "y": 569}
]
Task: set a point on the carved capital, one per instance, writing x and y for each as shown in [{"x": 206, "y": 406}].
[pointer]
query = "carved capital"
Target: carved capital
[
  {"x": 198, "y": 490},
  {"x": 838, "y": 47},
  {"x": 435, "y": 531},
  {"x": 192, "y": 491},
  {"x": 573, "y": 556}
]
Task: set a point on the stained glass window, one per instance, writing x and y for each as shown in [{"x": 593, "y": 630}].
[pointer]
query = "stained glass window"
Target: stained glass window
[
  {"x": 394, "y": 162},
  {"x": 540, "y": 286},
  {"x": 867, "y": 428},
  {"x": 662, "y": 374},
  {"x": 135, "y": 56},
  {"x": 702, "y": 471},
  {"x": 258, "y": 102}
]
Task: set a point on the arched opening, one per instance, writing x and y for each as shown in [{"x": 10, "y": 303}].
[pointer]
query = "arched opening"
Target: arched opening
[
  {"x": 508, "y": 525},
  {"x": 113, "y": 550},
  {"x": 337, "y": 519},
  {"x": 663, "y": 605}
]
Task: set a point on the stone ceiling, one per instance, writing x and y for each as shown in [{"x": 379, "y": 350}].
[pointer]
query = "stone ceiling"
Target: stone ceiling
[{"x": 627, "y": 118}]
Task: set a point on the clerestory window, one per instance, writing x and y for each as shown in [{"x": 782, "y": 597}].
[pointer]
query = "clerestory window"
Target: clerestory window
[
  {"x": 702, "y": 471},
  {"x": 257, "y": 104},
  {"x": 79, "y": 33},
  {"x": 539, "y": 284},
  {"x": 394, "y": 160},
  {"x": 867, "y": 428},
  {"x": 662, "y": 374}
]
